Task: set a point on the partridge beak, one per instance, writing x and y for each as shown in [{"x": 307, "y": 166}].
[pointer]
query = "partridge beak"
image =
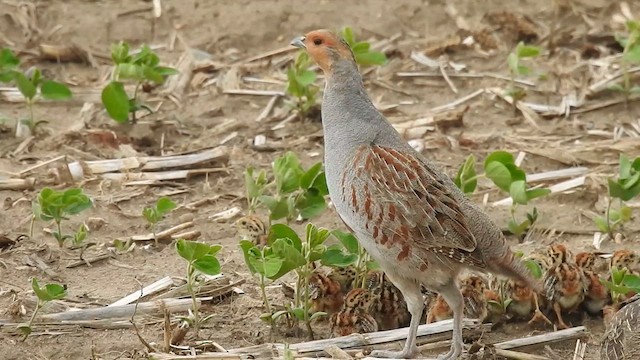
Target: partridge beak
[{"x": 299, "y": 42}]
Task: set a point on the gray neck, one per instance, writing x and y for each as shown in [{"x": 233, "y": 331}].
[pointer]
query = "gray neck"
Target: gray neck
[{"x": 349, "y": 118}]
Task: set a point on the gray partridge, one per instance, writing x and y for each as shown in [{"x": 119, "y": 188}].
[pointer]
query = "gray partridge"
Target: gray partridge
[
  {"x": 622, "y": 337},
  {"x": 407, "y": 214}
]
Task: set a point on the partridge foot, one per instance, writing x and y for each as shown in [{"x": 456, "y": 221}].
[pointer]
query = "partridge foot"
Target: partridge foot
[
  {"x": 538, "y": 316},
  {"x": 454, "y": 352},
  {"x": 410, "y": 353}
]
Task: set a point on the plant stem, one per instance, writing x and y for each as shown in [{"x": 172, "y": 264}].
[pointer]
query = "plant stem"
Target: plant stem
[
  {"x": 135, "y": 101},
  {"x": 61, "y": 239},
  {"x": 32, "y": 125},
  {"x": 39, "y": 305},
  {"x": 263, "y": 291},
  {"x": 606, "y": 215},
  {"x": 190, "y": 281}
]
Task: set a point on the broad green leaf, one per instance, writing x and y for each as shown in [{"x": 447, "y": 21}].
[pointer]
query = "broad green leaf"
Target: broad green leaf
[
  {"x": 320, "y": 184},
  {"x": 499, "y": 174},
  {"x": 116, "y": 101},
  {"x": 316, "y": 236},
  {"x": 151, "y": 215},
  {"x": 311, "y": 205},
  {"x": 347, "y": 35},
  {"x": 298, "y": 313},
  {"x": 49, "y": 292},
  {"x": 466, "y": 180},
  {"x": 8, "y": 60},
  {"x": 306, "y": 78},
  {"x": 284, "y": 249},
  {"x": 308, "y": 178},
  {"x": 278, "y": 314},
  {"x": 334, "y": 256},
  {"x": 631, "y": 281},
  {"x": 54, "y": 90},
  {"x": 616, "y": 87},
  {"x": 601, "y": 223},
  {"x": 248, "y": 249},
  {"x": 617, "y": 275},
  {"x": 317, "y": 315},
  {"x": 164, "y": 205},
  {"x": 287, "y": 171},
  {"x": 151, "y": 74},
  {"x": 208, "y": 264},
  {"x": 625, "y": 213},
  {"x": 130, "y": 71},
  {"x": 293, "y": 87},
  {"x": 120, "y": 52},
  {"x": 373, "y": 265},
  {"x": 26, "y": 87},
  {"x": 194, "y": 250},
  {"x": 527, "y": 51},
  {"x": 24, "y": 328},
  {"x": 625, "y": 167},
  {"x": 536, "y": 193},
  {"x": 282, "y": 231},
  {"x": 166, "y": 71},
  {"x": 632, "y": 55},
  {"x": 290, "y": 257},
  {"x": 499, "y": 156},
  {"x": 534, "y": 268},
  {"x": 371, "y": 58},
  {"x": 348, "y": 240},
  {"x": 361, "y": 47}
]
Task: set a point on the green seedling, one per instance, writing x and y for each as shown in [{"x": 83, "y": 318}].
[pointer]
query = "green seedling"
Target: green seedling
[
  {"x": 78, "y": 240},
  {"x": 624, "y": 188},
  {"x": 29, "y": 83},
  {"x": 154, "y": 214},
  {"x": 45, "y": 294},
  {"x": 630, "y": 56},
  {"x": 140, "y": 68},
  {"x": 467, "y": 179},
  {"x": 286, "y": 252},
  {"x": 516, "y": 60},
  {"x": 59, "y": 205},
  {"x": 353, "y": 254},
  {"x": 201, "y": 259},
  {"x": 500, "y": 167},
  {"x": 291, "y": 192},
  {"x": 500, "y": 307},
  {"x": 621, "y": 284},
  {"x": 256, "y": 184},
  {"x": 362, "y": 50},
  {"x": 300, "y": 85}
]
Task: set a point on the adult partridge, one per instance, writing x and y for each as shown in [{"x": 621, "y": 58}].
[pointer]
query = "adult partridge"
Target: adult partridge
[
  {"x": 407, "y": 214},
  {"x": 622, "y": 338}
]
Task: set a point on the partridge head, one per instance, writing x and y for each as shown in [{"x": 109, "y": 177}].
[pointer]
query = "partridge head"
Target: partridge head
[{"x": 407, "y": 213}]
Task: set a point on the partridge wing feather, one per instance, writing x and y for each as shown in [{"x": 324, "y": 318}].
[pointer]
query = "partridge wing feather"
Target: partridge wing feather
[{"x": 406, "y": 203}]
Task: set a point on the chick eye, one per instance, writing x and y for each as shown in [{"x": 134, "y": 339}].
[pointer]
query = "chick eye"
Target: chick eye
[{"x": 317, "y": 41}]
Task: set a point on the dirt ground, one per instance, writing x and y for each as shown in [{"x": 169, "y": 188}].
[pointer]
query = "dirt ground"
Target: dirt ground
[{"x": 234, "y": 31}]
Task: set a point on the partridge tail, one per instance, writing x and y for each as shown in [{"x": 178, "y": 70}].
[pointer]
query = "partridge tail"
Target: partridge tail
[{"x": 511, "y": 266}]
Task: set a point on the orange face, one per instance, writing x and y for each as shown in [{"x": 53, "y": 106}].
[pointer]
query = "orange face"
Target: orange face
[{"x": 324, "y": 47}]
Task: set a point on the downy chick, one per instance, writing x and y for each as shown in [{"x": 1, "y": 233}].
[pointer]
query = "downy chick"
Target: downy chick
[
  {"x": 325, "y": 293},
  {"x": 354, "y": 317},
  {"x": 390, "y": 308}
]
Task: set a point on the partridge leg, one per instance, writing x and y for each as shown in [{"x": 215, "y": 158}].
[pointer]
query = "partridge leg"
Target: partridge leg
[
  {"x": 538, "y": 315},
  {"x": 415, "y": 304},
  {"x": 558, "y": 311},
  {"x": 453, "y": 297}
]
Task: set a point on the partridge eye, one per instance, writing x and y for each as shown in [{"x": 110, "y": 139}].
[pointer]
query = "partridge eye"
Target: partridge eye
[{"x": 317, "y": 41}]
